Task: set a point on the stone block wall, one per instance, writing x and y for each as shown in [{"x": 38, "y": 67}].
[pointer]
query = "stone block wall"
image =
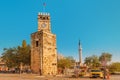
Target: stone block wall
[{"x": 43, "y": 53}]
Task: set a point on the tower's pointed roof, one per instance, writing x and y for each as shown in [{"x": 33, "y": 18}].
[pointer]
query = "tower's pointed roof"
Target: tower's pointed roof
[{"x": 80, "y": 46}]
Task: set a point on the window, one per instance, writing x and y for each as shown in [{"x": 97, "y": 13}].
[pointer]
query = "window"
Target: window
[
  {"x": 43, "y": 18},
  {"x": 36, "y": 43}
]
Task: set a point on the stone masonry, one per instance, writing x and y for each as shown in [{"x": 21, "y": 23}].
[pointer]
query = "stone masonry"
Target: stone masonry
[{"x": 43, "y": 48}]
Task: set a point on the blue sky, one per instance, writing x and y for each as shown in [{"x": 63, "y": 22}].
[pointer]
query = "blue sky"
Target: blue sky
[{"x": 95, "y": 22}]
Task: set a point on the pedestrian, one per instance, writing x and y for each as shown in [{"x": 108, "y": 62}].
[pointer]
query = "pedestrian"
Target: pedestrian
[{"x": 108, "y": 75}]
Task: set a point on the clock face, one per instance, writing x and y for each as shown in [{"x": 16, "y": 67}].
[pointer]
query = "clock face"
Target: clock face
[{"x": 43, "y": 25}]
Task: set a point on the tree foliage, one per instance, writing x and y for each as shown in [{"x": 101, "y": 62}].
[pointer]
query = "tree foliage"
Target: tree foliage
[
  {"x": 14, "y": 56},
  {"x": 24, "y": 53},
  {"x": 66, "y": 62},
  {"x": 92, "y": 61},
  {"x": 10, "y": 57},
  {"x": 95, "y": 61},
  {"x": 105, "y": 57},
  {"x": 24, "y": 44},
  {"x": 114, "y": 67}
]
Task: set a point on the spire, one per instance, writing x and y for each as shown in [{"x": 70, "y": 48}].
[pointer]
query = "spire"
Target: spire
[
  {"x": 79, "y": 45},
  {"x": 80, "y": 52}
]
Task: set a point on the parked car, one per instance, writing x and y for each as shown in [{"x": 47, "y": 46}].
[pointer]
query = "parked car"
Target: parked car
[{"x": 96, "y": 73}]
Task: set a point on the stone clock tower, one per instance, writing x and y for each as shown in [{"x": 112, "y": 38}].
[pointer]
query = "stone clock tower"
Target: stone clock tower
[{"x": 43, "y": 47}]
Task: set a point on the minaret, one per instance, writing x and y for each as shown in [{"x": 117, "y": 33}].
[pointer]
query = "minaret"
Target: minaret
[{"x": 80, "y": 53}]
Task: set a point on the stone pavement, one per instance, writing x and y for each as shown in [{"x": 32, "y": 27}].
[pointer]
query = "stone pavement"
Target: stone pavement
[{"x": 37, "y": 77}]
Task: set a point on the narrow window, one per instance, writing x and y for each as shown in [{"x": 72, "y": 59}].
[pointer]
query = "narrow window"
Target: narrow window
[
  {"x": 43, "y": 18},
  {"x": 36, "y": 43}
]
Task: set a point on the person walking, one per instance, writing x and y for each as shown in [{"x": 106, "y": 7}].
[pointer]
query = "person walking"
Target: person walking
[{"x": 108, "y": 74}]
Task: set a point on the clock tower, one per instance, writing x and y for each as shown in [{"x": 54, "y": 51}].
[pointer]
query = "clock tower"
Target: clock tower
[
  {"x": 43, "y": 47},
  {"x": 44, "y": 22}
]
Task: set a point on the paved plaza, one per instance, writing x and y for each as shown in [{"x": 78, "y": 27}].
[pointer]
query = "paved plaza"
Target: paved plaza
[{"x": 37, "y": 77}]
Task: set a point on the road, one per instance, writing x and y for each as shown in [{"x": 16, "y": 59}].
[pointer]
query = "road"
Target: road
[{"x": 37, "y": 77}]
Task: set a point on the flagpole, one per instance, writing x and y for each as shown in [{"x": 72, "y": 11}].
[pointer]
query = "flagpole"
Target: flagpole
[{"x": 44, "y": 5}]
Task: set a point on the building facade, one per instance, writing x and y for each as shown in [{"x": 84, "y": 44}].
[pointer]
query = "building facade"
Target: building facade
[{"x": 43, "y": 47}]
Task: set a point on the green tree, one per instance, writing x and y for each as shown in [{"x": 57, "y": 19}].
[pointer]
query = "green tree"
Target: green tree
[
  {"x": 14, "y": 56},
  {"x": 114, "y": 67},
  {"x": 10, "y": 57},
  {"x": 24, "y": 53},
  {"x": 24, "y": 44},
  {"x": 66, "y": 62},
  {"x": 88, "y": 61},
  {"x": 92, "y": 61},
  {"x": 105, "y": 57}
]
